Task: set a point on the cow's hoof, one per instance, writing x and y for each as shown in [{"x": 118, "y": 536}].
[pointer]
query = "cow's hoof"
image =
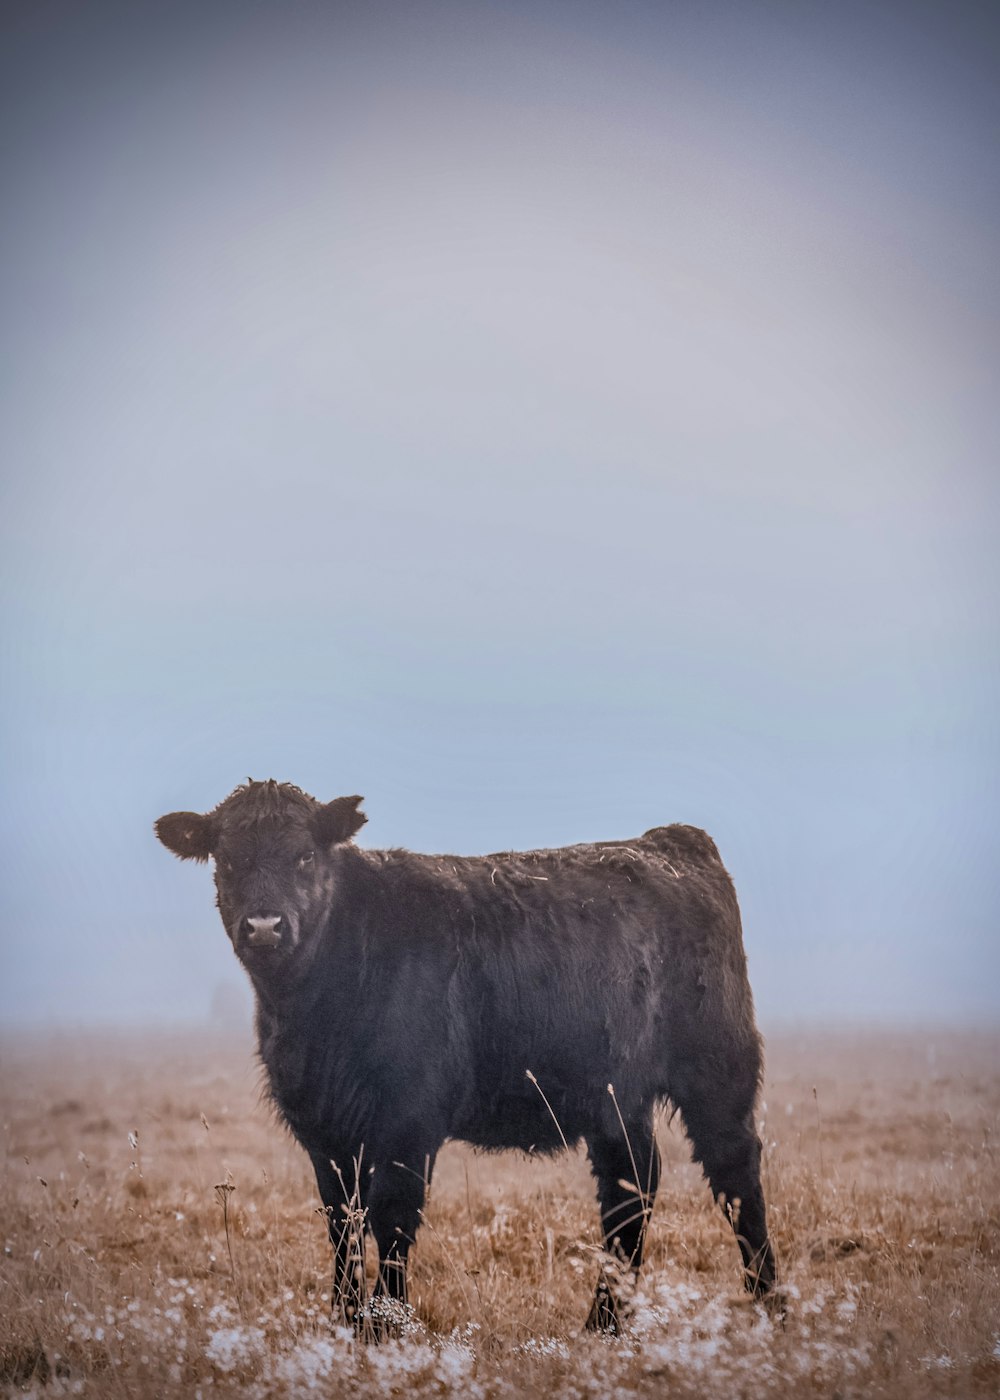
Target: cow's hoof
[
  {"x": 775, "y": 1300},
  {"x": 347, "y": 1312},
  {"x": 605, "y": 1313}
]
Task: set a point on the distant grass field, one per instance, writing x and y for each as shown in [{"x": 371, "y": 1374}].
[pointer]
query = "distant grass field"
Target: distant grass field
[{"x": 883, "y": 1182}]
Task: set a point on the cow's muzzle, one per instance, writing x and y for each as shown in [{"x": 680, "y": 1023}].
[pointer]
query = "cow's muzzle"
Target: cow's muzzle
[{"x": 263, "y": 931}]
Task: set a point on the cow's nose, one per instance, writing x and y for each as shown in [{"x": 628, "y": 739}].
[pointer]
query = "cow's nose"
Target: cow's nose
[{"x": 263, "y": 932}]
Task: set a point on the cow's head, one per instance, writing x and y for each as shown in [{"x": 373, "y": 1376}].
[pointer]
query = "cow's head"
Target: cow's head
[{"x": 273, "y": 848}]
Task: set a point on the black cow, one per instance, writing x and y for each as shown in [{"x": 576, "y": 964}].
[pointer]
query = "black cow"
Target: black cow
[{"x": 528, "y": 999}]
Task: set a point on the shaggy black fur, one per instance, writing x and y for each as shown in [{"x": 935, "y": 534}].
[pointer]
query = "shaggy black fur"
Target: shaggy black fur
[{"x": 523, "y": 999}]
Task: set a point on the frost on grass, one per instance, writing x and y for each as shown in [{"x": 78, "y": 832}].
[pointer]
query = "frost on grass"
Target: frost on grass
[
  {"x": 544, "y": 1346},
  {"x": 234, "y": 1348},
  {"x": 310, "y": 1365},
  {"x": 680, "y": 1331},
  {"x": 321, "y": 1363}
]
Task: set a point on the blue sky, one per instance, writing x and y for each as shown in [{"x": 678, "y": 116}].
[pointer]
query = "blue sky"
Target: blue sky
[{"x": 549, "y": 421}]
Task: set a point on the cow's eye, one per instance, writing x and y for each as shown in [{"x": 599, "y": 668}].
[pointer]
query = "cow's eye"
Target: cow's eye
[{"x": 305, "y": 860}]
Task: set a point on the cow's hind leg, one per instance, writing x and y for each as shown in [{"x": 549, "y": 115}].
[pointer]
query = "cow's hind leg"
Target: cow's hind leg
[
  {"x": 729, "y": 1151},
  {"x": 626, "y": 1165}
]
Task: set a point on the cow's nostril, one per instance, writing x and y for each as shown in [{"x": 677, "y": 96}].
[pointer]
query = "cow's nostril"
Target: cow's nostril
[{"x": 263, "y": 931}]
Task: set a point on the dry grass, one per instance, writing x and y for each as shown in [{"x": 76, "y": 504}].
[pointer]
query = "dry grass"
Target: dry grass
[{"x": 117, "y": 1279}]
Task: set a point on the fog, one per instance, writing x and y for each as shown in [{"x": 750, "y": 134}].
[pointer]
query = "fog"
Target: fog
[{"x": 548, "y": 420}]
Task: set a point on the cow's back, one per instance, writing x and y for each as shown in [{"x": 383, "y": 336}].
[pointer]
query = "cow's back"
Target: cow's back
[{"x": 611, "y": 962}]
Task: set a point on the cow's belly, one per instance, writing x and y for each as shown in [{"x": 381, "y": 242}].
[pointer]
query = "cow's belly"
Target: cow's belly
[{"x": 528, "y": 1114}]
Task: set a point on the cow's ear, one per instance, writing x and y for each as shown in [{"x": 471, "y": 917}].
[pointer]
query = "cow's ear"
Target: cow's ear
[
  {"x": 188, "y": 834},
  {"x": 340, "y": 819}
]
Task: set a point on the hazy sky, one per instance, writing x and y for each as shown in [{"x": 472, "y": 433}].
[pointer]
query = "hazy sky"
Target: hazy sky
[{"x": 549, "y": 420}]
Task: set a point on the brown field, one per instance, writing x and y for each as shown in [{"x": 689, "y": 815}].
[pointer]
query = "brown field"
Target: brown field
[{"x": 881, "y": 1169}]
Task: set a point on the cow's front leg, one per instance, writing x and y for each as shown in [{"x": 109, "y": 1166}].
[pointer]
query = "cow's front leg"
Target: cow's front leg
[
  {"x": 341, "y": 1194},
  {"x": 395, "y": 1202}
]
